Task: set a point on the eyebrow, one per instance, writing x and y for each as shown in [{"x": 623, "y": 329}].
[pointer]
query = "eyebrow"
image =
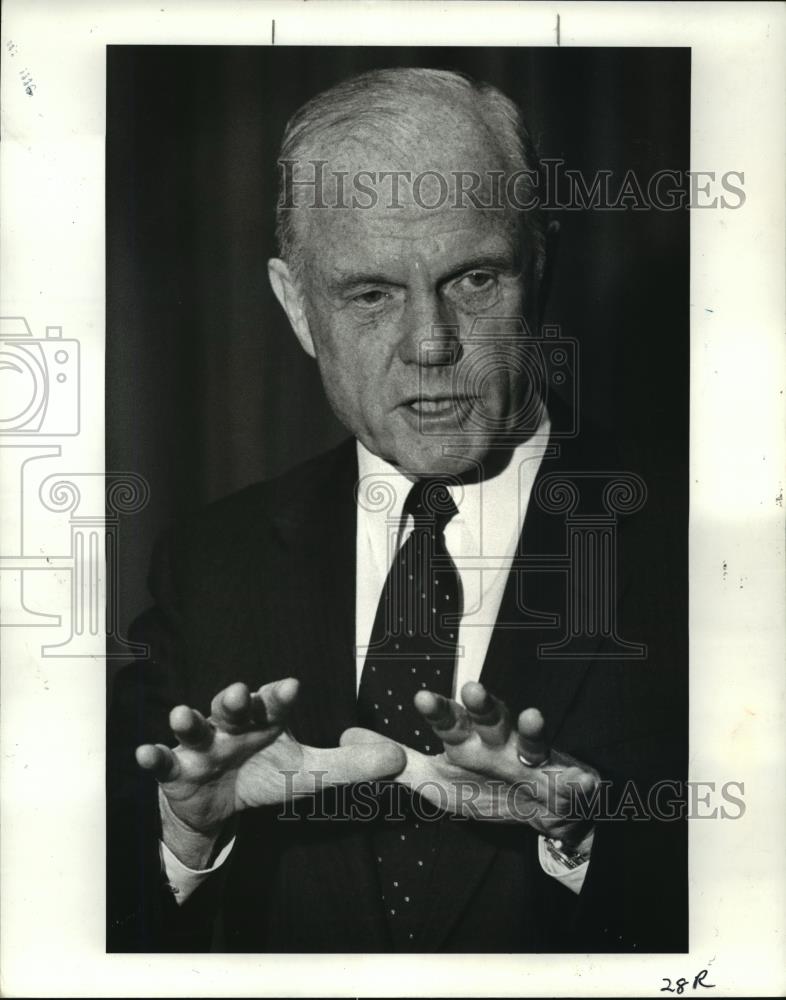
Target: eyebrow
[{"x": 345, "y": 281}]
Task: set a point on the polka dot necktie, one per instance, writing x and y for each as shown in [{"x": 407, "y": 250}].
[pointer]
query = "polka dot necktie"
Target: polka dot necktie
[{"x": 412, "y": 648}]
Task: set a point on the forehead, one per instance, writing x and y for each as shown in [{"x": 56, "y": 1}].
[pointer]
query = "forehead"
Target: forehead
[
  {"x": 404, "y": 196},
  {"x": 429, "y": 133},
  {"x": 394, "y": 240}
]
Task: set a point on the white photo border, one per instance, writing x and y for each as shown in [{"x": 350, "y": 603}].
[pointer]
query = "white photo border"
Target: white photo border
[{"x": 53, "y": 709}]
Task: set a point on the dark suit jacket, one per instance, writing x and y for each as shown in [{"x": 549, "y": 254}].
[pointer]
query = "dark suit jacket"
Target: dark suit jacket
[{"x": 261, "y": 585}]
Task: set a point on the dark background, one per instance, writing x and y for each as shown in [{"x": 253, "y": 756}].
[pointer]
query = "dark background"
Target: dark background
[{"x": 207, "y": 389}]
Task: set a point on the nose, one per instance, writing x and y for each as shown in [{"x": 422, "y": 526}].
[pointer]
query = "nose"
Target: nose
[{"x": 430, "y": 332}]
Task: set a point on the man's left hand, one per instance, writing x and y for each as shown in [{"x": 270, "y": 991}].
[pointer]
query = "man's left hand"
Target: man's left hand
[{"x": 493, "y": 770}]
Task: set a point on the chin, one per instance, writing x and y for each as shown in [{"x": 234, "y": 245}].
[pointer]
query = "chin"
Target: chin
[{"x": 434, "y": 462}]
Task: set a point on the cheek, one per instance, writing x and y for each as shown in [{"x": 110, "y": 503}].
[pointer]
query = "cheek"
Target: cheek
[
  {"x": 494, "y": 359},
  {"x": 358, "y": 352},
  {"x": 489, "y": 369},
  {"x": 354, "y": 372}
]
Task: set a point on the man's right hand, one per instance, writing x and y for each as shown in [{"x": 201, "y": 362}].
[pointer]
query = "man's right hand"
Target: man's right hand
[{"x": 242, "y": 757}]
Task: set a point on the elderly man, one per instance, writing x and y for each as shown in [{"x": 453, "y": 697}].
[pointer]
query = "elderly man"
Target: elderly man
[{"x": 396, "y": 756}]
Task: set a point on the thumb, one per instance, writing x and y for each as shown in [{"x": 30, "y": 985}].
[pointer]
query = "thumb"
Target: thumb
[
  {"x": 363, "y": 761},
  {"x": 356, "y": 736}
]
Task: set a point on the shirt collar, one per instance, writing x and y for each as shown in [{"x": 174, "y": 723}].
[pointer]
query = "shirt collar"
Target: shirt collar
[{"x": 490, "y": 513}]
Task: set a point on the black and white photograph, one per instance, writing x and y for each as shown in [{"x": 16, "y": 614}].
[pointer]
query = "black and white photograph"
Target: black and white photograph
[
  {"x": 438, "y": 668},
  {"x": 398, "y": 490}
]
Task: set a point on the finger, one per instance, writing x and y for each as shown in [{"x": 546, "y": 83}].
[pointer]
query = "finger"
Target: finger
[
  {"x": 531, "y": 746},
  {"x": 438, "y": 711},
  {"x": 446, "y": 717},
  {"x": 191, "y": 728},
  {"x": 271, "y": 705},
  {"x": 230, "y": 710},
  {"x": 489, "y": 716},
  {"x": 158, "y": 760}
]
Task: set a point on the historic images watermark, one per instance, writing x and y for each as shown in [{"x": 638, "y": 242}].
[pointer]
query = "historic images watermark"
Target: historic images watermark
[
  {"x": 520, "y": 801},
  {"x": 313, "y": 184}
]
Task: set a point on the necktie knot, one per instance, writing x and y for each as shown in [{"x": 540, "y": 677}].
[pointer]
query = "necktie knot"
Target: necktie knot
[{"x": 430, "y": 504}]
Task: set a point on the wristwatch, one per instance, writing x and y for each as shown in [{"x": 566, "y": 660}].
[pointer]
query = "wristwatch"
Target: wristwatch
[{"x": 568, "y": 857}]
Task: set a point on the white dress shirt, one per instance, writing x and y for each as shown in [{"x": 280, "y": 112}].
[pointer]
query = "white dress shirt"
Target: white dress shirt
[{"x": 481, "y": 539}]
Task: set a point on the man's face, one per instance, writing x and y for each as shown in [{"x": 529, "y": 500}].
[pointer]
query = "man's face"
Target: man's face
[{"x": 390, "y": 296}]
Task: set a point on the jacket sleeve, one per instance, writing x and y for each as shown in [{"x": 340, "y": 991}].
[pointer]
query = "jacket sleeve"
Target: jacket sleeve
[
  {"x": 634, "y": 895},
  {"x": 634, "y": 898},
  {"x": 142, "y": 915}
]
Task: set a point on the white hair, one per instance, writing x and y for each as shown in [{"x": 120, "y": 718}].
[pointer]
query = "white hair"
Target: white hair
[{"x": 392, "y": 99}]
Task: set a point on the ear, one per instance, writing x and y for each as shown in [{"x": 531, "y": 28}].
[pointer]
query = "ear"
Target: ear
[{"x": 287, "y": 291}]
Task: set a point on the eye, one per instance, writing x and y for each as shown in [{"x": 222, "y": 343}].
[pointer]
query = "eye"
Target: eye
[
  {"x": 373, "y": 297},
  {"x": 476, "y": 281},
  {"x": 475, "y": 291}
]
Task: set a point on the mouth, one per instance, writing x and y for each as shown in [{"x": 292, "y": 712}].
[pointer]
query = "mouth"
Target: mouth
[{"x": 436, "y": 405}]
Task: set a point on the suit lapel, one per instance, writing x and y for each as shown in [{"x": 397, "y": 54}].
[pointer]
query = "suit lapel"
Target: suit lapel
[
  {"x": 316, "y": 525},
  {"x": 515, "y": 672},
  {"x": 532, "y": 613},
  {"x": 518, "y": 665}
]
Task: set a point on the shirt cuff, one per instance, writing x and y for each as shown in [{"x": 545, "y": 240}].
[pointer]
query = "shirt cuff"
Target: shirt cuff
[
  {"x": 184, "y": 881},
  {"x": 571, "y": 878}
]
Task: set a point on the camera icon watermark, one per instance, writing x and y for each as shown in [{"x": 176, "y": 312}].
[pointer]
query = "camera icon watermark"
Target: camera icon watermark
[
  {"x": 501, "y": 377},
  {"x": 39, "y": 381},
  {"x": 59, "y": 563}
]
